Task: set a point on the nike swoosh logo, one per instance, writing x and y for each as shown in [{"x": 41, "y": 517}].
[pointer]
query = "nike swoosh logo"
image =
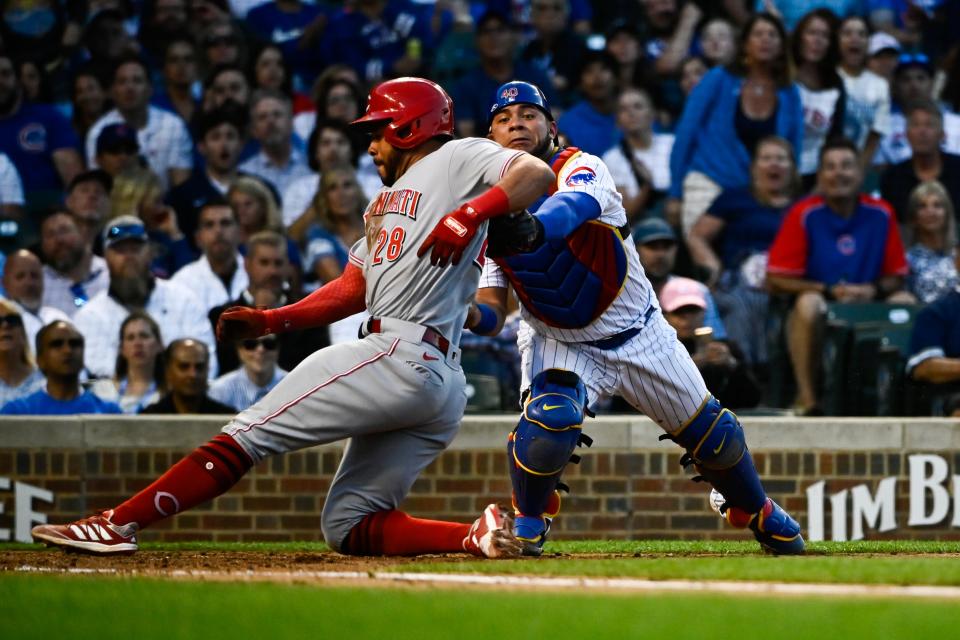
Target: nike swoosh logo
[
  {"x": 427, "y": 356},
  {"x": 720, "y": 446},
  {"x": 551, "y": 407}
]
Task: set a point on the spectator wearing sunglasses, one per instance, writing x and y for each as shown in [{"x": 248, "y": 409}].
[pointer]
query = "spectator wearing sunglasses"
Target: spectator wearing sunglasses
[
  {"x": 176, "y": 308},
  {"x": 19, "y": 376},
  {"x": 60, "y": 358},
  {"x": 259, "y": 374},
  {"x": 72, "y": 274},
  {"x": 23, "y": 284},
  {"x": 185, "y": 375}
]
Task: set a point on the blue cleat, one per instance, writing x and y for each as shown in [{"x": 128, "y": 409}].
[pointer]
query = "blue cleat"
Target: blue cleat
[
  {"x": 532, "y": 534},
  {"x": 773, "y": 527}
]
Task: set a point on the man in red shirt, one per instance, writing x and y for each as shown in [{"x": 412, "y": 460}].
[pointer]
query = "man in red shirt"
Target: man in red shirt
[{"x": 836, "y": 245}]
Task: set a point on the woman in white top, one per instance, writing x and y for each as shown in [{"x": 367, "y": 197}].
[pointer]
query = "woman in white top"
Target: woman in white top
[
  {"x": 815, "y": 53},
  {"x": 138, "y": 377},
  {"x": 19, "y": 375},
  {"x": 640, "y": 162},
  {"x": 867, "y": 117}
]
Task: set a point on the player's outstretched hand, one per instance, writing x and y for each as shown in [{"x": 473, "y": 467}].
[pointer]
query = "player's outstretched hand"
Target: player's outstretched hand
[
  {"x": 451, "y": 236},
  {"x": 239, "y": 323}
]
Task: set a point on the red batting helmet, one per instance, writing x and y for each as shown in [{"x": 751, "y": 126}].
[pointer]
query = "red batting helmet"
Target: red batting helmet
[{"x": 414, "y": 110}]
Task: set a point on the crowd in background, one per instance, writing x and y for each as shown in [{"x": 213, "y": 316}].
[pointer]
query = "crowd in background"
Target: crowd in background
[{"x": 162, "y": 160}]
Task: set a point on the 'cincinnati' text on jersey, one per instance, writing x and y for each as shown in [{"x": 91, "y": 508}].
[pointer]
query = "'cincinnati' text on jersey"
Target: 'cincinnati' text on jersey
[{"x": 401, "y": 201}]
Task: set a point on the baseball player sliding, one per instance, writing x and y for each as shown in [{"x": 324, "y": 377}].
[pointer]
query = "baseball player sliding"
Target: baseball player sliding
[
  {"x": 398, "y": 393},
  {"x": 591, "y": 328}
]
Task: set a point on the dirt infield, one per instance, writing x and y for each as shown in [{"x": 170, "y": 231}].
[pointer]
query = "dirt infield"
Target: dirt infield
[{"x": 169, "y": 561}]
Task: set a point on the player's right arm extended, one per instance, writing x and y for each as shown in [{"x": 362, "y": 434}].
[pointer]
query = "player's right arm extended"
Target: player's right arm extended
[
  {"x": 336, "y": 300},
  {"x": 525, "y": 180}
]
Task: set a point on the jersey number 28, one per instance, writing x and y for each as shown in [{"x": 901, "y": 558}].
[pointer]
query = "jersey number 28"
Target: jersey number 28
[{"x": 392, "y": 241}]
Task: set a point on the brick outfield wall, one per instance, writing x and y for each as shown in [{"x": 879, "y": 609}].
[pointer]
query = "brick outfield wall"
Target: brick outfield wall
[{"x": 614, "y": 494}]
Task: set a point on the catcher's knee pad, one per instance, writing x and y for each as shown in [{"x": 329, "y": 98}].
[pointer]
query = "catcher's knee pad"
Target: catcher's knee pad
[
  {"x": 543, "y": 441},
  {"x": 716, "y": 444}
]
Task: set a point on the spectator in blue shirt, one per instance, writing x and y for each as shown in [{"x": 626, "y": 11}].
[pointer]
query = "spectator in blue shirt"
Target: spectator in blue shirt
[
  {"x": 591, "y": 123},
  {"x": 177, "y": 89},
  {"x": 727, "y": 114},
  {"x": 731, "y": 239},
  {"x": 378, "y": 38},
  {"x": 555, "y": 48},
  {"x": 295, "y": 27},
  {"x": 38, "y": 140},
  {"x": 60, "y": 358},
  {"x": 496, "y": 41}
]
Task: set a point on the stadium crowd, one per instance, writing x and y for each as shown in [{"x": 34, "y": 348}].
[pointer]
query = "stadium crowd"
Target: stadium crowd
[{"x": 161, "y": 160}]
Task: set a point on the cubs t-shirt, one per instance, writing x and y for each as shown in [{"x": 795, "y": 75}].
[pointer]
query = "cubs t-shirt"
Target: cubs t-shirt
[
  {"x": 817, "y": 244},
  {"x": 30, "y": 137}
]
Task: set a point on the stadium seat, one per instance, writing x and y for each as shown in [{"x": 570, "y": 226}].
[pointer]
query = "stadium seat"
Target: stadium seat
[{"x": 865, "y": 347}]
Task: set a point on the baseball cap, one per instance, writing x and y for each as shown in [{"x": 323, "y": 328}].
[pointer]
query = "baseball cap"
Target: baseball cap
[
  {"x": 492, "y": 15},
  {"x": 622, "y": 26},
  {"x": 653, "y": 229},
  {"x": 117, "y": 137},
  {"x": 908, "y": 60},
  {"x": 93, "y": 175},
  {"x": 682, "y": 292},
  {"x": 881, "y": 41},
  {"x": 123, "y": 228}
]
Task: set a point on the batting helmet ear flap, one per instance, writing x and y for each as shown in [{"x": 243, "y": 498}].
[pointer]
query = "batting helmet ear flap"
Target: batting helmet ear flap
[{"x": 413, "y": 109}]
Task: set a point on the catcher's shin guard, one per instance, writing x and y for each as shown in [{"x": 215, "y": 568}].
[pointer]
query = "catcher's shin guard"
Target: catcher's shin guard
[
  {"x": 715, "y": 443},
  {"x": 541, "y": 446}
]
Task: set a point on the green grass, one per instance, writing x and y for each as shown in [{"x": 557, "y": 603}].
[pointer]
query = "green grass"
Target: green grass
[{"x": 80, "y": 607}]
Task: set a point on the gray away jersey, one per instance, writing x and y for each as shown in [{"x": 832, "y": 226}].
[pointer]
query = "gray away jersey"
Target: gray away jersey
[{"x": 399, "y": 219}]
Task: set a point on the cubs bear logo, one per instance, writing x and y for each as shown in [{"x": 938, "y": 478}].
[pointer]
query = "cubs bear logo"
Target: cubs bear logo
[
  {"x": 580, "y": 177},
  {"x": 846, "y": 244},
  {"x": 33, "y": 138}
]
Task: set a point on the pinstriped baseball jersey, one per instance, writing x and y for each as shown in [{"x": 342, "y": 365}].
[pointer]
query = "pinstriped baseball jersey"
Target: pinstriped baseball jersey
[
  {"x": 587, "y": 174},
  {"x": 652, "y": 370},
  {"x": 398, "y": 220}
]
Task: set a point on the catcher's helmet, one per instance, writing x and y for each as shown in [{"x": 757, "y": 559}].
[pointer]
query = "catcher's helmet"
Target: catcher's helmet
[
  {"x": 413, "y": 109},
  {"x": 518, "y": 92}
]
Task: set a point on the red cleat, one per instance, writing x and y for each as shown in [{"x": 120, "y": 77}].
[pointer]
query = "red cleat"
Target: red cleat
[{"x": 95, "y": 535}]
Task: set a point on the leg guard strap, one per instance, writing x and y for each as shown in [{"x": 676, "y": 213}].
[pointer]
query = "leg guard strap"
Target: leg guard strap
[{"x": 716, "y": 444}]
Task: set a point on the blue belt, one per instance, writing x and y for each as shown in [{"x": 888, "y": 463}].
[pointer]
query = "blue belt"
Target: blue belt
[{"x": 615, "y": 341}]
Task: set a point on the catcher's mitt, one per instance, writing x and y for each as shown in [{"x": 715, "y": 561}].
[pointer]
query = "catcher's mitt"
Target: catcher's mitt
[{"x": 514, "y": 233}]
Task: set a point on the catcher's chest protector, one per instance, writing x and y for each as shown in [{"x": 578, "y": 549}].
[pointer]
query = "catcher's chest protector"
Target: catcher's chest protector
[{"x": 569, "y": 283}]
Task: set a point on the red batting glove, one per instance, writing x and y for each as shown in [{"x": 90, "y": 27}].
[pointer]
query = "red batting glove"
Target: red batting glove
[
  {"x": 239, "y": 323},
  {"x": 451, "y": 236},
  {"x": 456, "y": 229}
]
